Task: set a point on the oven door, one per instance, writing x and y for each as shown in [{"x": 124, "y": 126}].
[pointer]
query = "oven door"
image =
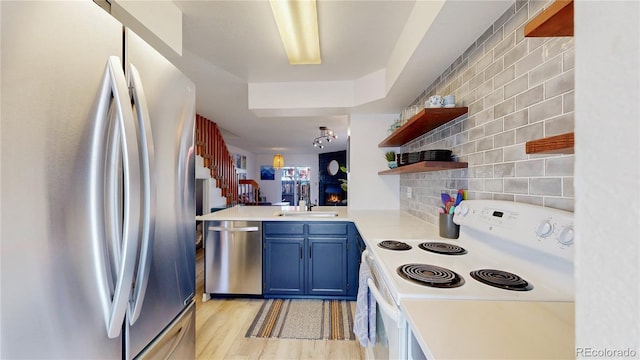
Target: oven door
[{"x": 390, "y": 325}]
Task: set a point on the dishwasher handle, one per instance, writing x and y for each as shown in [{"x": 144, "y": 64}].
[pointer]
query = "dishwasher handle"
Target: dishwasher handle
[{"x": 232, "y": 229}]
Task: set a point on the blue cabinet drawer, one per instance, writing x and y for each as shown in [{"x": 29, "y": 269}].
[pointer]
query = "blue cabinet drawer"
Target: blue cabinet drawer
[
  {"x": 283, "y": 228},
  {"x": 329, "y": 229}
]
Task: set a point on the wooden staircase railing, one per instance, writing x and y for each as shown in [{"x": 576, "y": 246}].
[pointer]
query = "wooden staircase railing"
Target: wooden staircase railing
[
  {"x": 249, "y": 192},
  {"x": 211, "y": 146}
]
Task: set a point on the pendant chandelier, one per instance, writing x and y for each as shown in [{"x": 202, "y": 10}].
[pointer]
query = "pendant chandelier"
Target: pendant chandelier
[
  {"x": 278, "y": 161},
  {"x": 326, "y": 135}
]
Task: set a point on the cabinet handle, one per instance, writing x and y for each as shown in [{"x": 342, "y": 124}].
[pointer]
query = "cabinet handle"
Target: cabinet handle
[
  {"x": 300, "y": 252},
  {"x": 309, "y": 252}
]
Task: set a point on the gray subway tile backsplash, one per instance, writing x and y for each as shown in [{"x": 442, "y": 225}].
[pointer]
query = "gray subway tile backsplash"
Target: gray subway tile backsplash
[
  {"x": 559, "y": 125},
  {"x": 516, "y": 86},
  {"x": 504, "y": 77},
  {"x": 532, "y": 96},
  {"x": 560, "y": 84},
  {"x": 559, "y": 166},
  {"x": 516, "y": 186},
  {"x": 494, "y": 127},
  {"x": 504, "y": 170},
  {"x": 546, "y": 109},
  {"x": 514, "y": 152},
  {"x": 530, "y": 168},
  {"x": 516, "y": 119},
  {"x": 494, "y": 185},
  {"x": 487, "y": 33},
  {"x": 517, "y": 89},
  {"x": 546, "y": 71},
  {"x": 559, "y": 203},
  {"x": 514, "y": 55},
  {"x": 504, "y": 108},
  {"x": 567, "y": 187},
  {"x": 529, "y": 62},
  {"x": 568, "y": 104},
  {"x": 504, "y": 139},
  {"x": 545, "y": 186},
  {"x": 493, "y": 156},
  {"x": 507, "y": 43},
  {"x": 484, "y": 144},
  {"x": 529, "y": 132},
  {"x": 516, "y": 21}
]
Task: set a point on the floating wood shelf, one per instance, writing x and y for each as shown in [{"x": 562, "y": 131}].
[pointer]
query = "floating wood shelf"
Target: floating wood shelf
[
  {"x": 423, "y": 122},
  {"x": 559, "y": 144},
  {"x": 425, "y": 166},
  {"x": 556, "y": 20}
]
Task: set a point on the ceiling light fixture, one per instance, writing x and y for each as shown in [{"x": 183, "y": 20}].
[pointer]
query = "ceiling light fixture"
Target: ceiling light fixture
[
  {"x": 297, "y": 22},
  {"x": 278, "y": 161},
  {"x": 326, "y": 135}
]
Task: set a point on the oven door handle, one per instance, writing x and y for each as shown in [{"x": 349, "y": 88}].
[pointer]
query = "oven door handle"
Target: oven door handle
[
  {"x": 390, "y": 309},
  {"x": 384, "y": 306}
]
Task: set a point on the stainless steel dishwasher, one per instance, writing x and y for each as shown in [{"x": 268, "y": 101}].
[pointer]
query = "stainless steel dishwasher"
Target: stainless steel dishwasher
[{"x": 233, "y": 258}]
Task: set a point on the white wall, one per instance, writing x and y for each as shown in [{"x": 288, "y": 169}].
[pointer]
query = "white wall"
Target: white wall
[
  {"x": 607, "y": 176},
  {"x": 272, "y": 189},
  {"x": 251, "y": 161},
  {"x": 367, "y": 189}
]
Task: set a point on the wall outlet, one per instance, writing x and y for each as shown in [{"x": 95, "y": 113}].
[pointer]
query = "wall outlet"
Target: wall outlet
[{"x": 409, "y": 192}]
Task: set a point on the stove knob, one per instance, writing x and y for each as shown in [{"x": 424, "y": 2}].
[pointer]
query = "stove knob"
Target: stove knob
[
  {"x": 566, "y": 236},
  {"x": 462, "y": 210},
  {"x": 544, "y": 229}
]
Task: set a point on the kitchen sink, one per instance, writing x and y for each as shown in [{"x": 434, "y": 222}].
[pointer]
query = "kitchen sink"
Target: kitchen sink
[{"x": 308, "y": 213}]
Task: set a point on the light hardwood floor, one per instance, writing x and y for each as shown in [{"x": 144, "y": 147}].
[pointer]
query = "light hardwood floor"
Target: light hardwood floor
[{"x": 222, "y": 323}]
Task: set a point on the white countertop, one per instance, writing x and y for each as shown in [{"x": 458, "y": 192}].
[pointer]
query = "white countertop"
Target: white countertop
[
  {"x": 372, "y": 224},
  {"x": 492, "y": 329}
]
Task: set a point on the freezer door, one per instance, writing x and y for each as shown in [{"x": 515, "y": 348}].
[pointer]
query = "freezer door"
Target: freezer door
[
  {"x": 55, "y": 293},
  {"x": 177, "y": 341},
  {"x": 170, "y": 97}
]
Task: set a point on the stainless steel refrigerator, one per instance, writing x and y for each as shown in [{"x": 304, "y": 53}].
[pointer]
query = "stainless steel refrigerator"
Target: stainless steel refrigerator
[{"x": 97, "y": 178}]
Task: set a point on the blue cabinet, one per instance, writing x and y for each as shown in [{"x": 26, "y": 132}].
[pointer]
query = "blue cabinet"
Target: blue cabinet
[
  {"x": 283, "y": 257},
  {"x": 327, "y": 270},
  {"x": 311, "y": 259}
]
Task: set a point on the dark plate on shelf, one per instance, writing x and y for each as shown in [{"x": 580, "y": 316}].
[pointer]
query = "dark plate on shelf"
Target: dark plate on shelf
[{"x": 435, "y": 155}]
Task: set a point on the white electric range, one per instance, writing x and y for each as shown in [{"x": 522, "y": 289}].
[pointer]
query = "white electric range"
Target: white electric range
[{"x": 524, "y": 247}]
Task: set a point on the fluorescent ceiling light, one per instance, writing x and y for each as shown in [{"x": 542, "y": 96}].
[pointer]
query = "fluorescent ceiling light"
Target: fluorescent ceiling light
[{"x": 297, "y": 22}]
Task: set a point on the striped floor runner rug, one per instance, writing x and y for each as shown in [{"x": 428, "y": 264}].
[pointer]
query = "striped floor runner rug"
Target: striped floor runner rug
[{"x": 304, "y": 319}]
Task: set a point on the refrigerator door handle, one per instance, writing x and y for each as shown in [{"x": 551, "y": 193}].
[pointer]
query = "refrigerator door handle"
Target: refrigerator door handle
[
  {"x": 147, "y": 159},
  {"x": 114, "y": 134}
]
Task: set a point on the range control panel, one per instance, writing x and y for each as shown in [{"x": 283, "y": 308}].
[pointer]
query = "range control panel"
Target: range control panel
[{"x": 549, "y": 230}]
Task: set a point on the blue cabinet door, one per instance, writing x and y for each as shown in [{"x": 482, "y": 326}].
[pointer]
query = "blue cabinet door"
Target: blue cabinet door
[
  {"x": 327, "y": 266},
  {"x": 284, "y": 263}
]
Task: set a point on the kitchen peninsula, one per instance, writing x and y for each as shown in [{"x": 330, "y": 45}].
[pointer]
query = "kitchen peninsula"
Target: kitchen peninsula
[
  {"x": 371, "y": 224},
  {"x": 283, "y": 251}
]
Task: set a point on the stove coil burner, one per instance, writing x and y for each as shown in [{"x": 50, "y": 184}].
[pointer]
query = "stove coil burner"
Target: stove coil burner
[
  {"x": 430, "y": 275},
  {"x": 501, "y": 279},
  {"x": 394, "y": 245},
  {"x": 443, "y": 248}
]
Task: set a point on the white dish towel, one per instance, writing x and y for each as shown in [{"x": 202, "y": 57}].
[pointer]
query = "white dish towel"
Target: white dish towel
[{"x": 364, "y": 325}]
